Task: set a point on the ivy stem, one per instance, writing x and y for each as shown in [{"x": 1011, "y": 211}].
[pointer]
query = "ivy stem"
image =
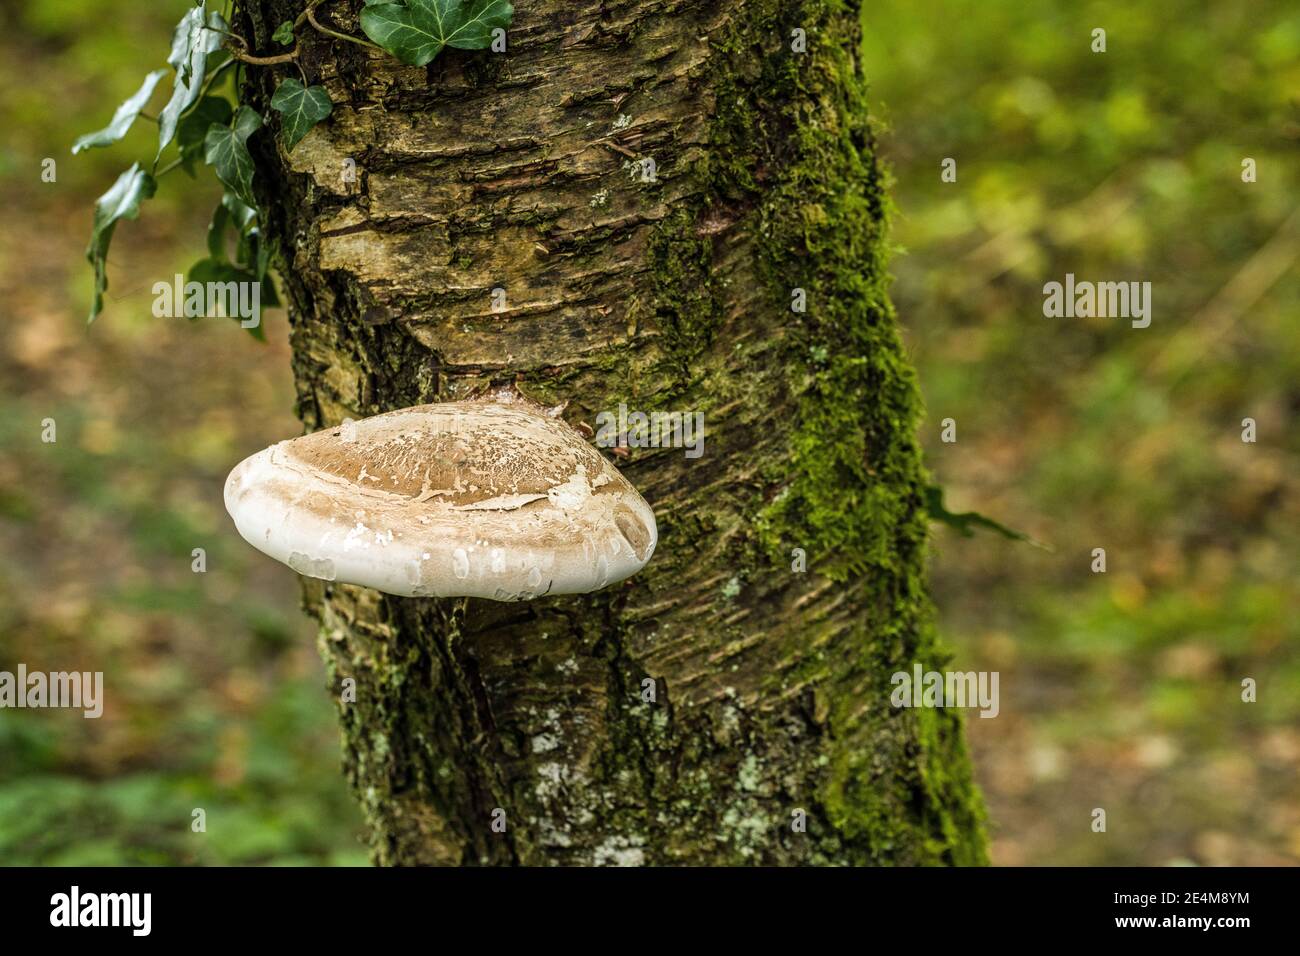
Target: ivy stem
[
  {"x": 265, "y": 60},
  {"x": 213, "y": 76},
  {"x": 243, "y": 55},
  {"x": 307, "y": 16},
  {"x": 302, "y": 17},
  {"x": 167, "y": 169},
  {"x": 207, "y": 85},
  {"x": 311, "y": 18}
]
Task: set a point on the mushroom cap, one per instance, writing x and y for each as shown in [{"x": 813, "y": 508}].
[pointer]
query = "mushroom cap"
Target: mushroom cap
[{"x": 483, "y": 498}]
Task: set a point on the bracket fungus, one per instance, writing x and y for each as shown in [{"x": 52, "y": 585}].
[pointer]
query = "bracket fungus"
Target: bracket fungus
[{"x": 490, "y": 497}]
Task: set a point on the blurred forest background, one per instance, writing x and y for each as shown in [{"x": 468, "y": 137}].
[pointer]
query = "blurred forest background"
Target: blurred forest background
[{"x": 1118, "y": 690}]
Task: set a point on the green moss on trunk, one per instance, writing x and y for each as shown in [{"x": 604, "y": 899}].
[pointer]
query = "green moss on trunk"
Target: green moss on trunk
[{"x": 771, "y": 687}]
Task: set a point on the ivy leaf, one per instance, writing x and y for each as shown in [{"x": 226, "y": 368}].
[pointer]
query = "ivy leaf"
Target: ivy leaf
[
  {"x": 197, "y": 35},
  {"x": 242, "y": 215},
  {"x": 217, "y": 232},
  {"x": 303, "y": 107},
  {"x": 221, "y": 272},
  {"x": 256, "y": 254},
  {"x": 123, "y": 118},
  {"x": 965, "y": 522},
  {"x": 225, "y": 149},
  {"x": 284, "y": 33},
  {"x": 122, "y": 201},
  {"x": 233, "y": 214},
  {"x": 194, "y": 127},
  {"x": 216, "y": 270},
  {"x": 416, "y": 31},
  {"x": 270, "y": 299}
]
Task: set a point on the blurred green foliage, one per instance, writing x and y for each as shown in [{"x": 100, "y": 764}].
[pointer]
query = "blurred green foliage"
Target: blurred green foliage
[
  {"x": 1120, "y": 690},
  {"x": 215, "y": 696}
]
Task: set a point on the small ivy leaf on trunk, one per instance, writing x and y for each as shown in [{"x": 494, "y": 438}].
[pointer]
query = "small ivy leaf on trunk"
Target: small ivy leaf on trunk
[
  {"x": 197, "y": 35},
  {"x": 122, "y": 201},
  {"x": 416, "y": 32},
  {"x": 284, "y": 33},
  {"x": 303, "y": 107},
  {"x": 123, "y": 118},
  {"x": 194, "y": 127},
  {"x": 225, "y": 149}
]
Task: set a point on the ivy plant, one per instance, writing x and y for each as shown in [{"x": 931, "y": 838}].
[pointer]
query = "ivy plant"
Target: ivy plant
[{"x": 203, "y": 121}]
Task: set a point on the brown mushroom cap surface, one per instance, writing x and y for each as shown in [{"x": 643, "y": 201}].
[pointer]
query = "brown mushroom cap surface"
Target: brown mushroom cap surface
[{"x": 485, "y": 498}]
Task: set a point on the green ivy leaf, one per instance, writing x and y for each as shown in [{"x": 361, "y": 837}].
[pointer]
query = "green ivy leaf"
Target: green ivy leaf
[
  {"x": 194, "y": 127},
  {"x": 197, "y": 35},
  {"x": 416, "y": 32},
  {"x": 217, "y": 232},
  {"x": 257, "y": 254},
  {"x": 242, "y": 215},
  {"x": 122, "y": 201},
  {"x": 225, "y": 148},
  {"x": 217, "y": 270},
  {"x": 123, "y": 118},
  {"x": 270, "y": 299},
  {"x": 284, "y": 33},
  {"x": 251, "y": 253},
  {"x": 303, "y": 107}
]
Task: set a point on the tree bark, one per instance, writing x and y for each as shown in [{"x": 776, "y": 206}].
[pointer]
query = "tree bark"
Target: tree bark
[{"x": 523, "y": 171}]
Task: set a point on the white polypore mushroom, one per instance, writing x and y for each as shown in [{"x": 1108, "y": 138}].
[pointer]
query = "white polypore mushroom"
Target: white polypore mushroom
[{"x": 486, "y": 498}]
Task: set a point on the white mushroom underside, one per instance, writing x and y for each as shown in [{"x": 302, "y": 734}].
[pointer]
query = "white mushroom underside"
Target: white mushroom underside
[{"x": 504, "y": 528}]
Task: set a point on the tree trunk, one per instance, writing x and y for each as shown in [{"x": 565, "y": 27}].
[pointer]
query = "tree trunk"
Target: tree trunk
[{"x": 770, "y": 737}]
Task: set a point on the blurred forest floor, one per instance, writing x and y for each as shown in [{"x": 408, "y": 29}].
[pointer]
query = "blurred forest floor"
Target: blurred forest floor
[{"x": 1119, "y": 691}]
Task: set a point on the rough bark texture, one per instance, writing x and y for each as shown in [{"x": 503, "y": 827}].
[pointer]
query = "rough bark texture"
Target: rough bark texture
[{"x": 518, "y": 171}]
